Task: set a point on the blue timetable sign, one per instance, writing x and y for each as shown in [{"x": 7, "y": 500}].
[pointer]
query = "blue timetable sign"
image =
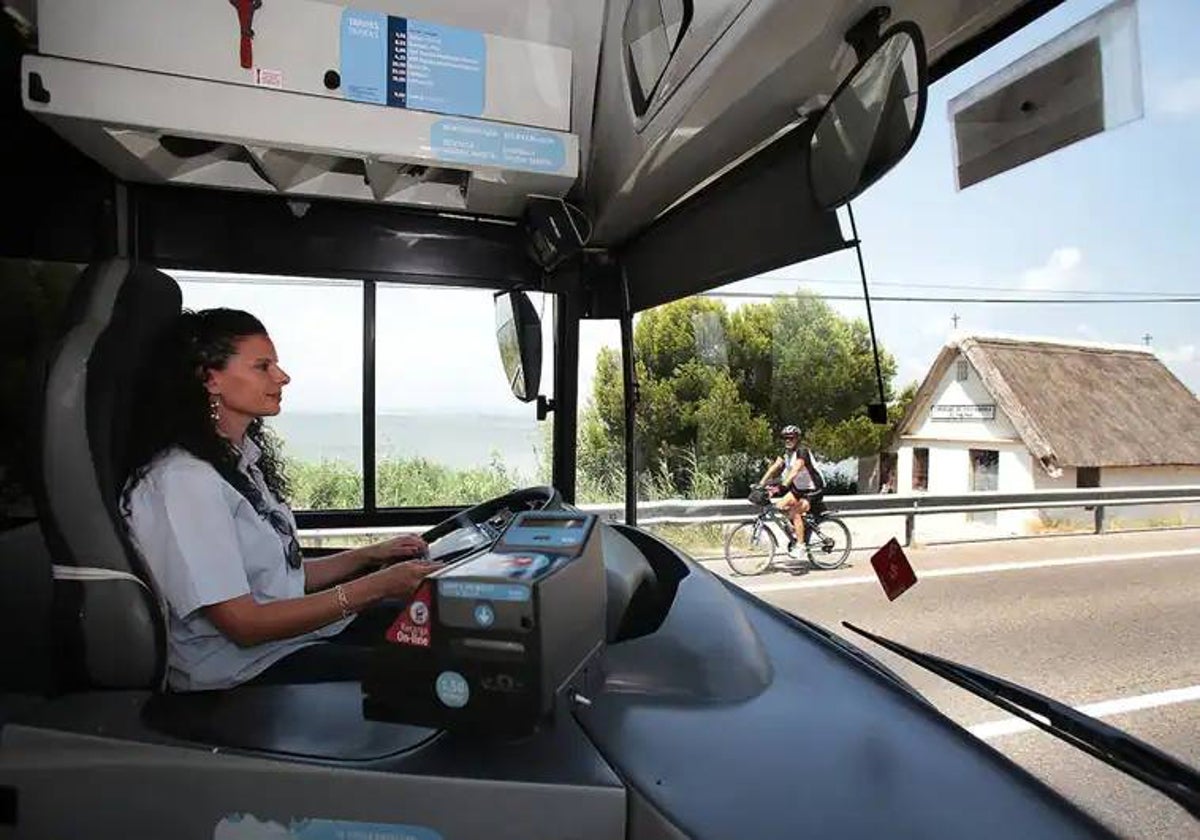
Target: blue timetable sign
[{"x": 408, "y": 63}]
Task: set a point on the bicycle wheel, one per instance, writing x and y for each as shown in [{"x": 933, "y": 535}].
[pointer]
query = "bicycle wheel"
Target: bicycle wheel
[
  {"x": 750, "y": 548},
  {"x": 828, "y": 543}
]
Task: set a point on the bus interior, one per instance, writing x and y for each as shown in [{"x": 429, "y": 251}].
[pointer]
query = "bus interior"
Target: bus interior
[{"x": 603, "y": 158}]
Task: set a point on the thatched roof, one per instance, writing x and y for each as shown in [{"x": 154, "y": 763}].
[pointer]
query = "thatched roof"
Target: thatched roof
[{"x": 1078, "y": 405}]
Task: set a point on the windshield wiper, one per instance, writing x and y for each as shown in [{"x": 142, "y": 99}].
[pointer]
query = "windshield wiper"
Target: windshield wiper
[{"x": 1145, "y": 763}]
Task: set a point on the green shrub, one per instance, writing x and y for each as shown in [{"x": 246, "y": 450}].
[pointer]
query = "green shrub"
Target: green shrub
[
  {"x": 408, "y": 482},
  {"x": 840, "y": 484},
  {"x": 324, "y": 485},
  {"x": 415, "y": 482}
]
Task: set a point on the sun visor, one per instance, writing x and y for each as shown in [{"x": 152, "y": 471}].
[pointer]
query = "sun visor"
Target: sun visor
[
  {"x": 757, "y": 217},
  {"x": 306, "y": 98},
  {"x": 1086, "y": 81}
]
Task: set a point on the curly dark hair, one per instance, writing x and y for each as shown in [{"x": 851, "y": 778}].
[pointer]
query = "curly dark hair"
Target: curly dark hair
[{"x": 173, "y": 404}]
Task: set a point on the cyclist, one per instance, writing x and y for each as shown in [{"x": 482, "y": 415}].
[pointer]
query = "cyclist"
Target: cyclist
[{"x": 801, "y": 485}]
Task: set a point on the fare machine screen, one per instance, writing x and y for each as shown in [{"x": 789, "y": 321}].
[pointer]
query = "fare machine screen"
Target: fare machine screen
[{"x": 491, "y": 643}]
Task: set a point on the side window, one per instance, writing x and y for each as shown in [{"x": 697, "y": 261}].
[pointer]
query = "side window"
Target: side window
[
  {"x": 653, "y": 30},
  {"x": 317, "y": 330},
  {"x": 600, "y": 475},
  {"x": 920, "y": 474},
  {"x": 448, "y": 430}
]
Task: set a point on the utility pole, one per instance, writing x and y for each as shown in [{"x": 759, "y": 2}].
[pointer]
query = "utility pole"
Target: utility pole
[
  {"x": 954, "y": 318},
  {"x": 1147, "y": 338}
]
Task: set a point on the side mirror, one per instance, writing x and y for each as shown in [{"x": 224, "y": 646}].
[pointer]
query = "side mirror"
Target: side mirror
[
  {"x": 872, "y": 119},
  {"x": 519, "y": 335}
]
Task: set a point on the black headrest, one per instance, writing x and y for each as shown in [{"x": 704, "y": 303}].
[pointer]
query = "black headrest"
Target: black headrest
[
  {"x": 147, "y": 303},
  {"x": 115, "y": 315}
]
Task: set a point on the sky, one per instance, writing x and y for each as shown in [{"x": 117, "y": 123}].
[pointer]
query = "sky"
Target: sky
[
  {"x": 1115, "y": 214},
  {"x": 435, "y": 347}
]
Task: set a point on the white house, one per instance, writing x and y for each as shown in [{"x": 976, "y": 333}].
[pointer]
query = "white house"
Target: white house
[{"x": 1015, "y": 415}]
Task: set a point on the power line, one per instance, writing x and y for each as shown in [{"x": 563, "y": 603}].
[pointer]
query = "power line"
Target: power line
[
  {"x": 899, "y": 299},
  {"x": 966, "y": 288}
]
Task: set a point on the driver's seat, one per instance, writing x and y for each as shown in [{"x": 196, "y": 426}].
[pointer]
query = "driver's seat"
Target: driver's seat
[{"x": 109, "y": 624}]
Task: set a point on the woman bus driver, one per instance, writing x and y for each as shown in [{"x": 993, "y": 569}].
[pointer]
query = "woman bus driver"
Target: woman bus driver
[{"x": 205, "y": 507}]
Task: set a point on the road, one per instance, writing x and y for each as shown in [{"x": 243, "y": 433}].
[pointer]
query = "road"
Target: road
[{"x": 1082, "y": 619}]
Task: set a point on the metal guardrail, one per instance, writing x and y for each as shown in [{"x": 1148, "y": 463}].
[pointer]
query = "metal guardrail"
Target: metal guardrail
[
  {"x": 889, "y": 504},
  {"x": 690, "y": 511},
  {"x": 685, "y": 511}
]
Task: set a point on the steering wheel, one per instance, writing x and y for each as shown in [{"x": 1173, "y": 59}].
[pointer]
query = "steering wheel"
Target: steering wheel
[{"x": 468, "y": 530}]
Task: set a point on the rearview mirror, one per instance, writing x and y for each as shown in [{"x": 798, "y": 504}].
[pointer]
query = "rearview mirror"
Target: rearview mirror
[
  {"x": 872, "y": 119},
  {"x": 519, "y": 335}
]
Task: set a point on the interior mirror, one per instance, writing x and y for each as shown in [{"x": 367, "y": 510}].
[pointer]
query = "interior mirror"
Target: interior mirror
[
  {"x": 872, "y": 119},
  {"x": 519, "y": 335}
]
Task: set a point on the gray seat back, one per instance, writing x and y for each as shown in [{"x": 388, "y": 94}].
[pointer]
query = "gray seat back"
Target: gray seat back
[{"x": 109, "y": 622}]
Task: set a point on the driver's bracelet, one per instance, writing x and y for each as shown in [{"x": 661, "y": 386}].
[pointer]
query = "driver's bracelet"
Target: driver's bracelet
[{"x": 343, "y": 601}]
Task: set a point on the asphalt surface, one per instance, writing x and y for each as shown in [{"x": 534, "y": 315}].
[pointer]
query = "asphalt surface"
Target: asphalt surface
[{"x": 1079, "y": 632}]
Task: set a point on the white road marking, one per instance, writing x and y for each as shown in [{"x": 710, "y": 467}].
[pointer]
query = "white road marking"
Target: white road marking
[
  {"x": 1107, "y": 708},
  {"x": 973, "y": 570}
]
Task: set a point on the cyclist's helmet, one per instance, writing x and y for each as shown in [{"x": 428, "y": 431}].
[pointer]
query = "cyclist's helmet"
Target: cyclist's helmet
[{"x": 789, "y": 431}]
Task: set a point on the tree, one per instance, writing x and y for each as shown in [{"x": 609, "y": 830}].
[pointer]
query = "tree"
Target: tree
[
  {"x": 713, "y": 386},
  {"x": 822, "y": 375}
]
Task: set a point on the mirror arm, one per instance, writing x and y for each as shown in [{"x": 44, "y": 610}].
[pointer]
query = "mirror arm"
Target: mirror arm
[
  {"x": 864, "y": 35},
  {"x": 631, "y": 394},
  {"x": 876, "y": 413},
  {"x": 544, "y": 407}
]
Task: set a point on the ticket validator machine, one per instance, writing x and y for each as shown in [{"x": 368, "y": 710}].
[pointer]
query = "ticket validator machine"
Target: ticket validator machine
[{"x": 497, "y": 642}]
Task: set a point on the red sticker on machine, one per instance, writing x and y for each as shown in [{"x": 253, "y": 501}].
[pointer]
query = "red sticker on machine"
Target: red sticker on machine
[
  {"x": 894, "y": 571},
  {"x": 411, "y": 627}
]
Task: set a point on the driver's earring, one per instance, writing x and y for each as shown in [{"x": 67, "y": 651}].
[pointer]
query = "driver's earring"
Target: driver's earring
[{"x": 214, "y": 409}]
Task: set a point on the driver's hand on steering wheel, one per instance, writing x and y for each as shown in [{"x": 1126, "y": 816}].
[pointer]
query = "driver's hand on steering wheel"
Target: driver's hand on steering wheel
[{"x": 403, "y": 547}]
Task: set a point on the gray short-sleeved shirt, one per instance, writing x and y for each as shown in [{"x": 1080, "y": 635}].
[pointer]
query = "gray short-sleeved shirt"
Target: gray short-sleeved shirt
[{"x": 204, "y": 543}]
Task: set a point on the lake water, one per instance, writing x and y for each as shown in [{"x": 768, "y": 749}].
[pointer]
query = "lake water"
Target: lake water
[{"x": 454, "y": 439}]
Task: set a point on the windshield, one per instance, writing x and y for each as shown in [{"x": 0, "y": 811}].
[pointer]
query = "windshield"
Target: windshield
[{"x": 1036, "y": 335}]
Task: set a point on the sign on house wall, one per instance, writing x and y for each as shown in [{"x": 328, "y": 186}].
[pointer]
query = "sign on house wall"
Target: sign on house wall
[{"x": 963, "y": 412}]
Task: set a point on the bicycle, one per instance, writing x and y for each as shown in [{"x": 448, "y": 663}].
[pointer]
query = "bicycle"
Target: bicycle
[{"x": 751, "y": 546}]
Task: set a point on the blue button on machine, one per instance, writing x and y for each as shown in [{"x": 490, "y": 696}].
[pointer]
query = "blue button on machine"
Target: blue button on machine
[{"x": 485, "y": 616}]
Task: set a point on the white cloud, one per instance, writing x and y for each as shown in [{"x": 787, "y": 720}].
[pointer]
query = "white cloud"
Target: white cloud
[
  {"x": 1182, "y": 98},
  {"x": 1061, "y": 271},
  {"x": 1183, "y": 354},
  {"x": 937, "y": 327}
]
